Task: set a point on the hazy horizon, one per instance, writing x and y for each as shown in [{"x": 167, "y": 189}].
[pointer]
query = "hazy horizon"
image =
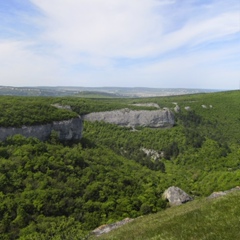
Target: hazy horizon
[{"x": 114, "y": 87}]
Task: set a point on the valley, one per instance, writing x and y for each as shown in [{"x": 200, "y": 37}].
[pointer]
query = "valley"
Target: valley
[{"x": 63, "y": 189}]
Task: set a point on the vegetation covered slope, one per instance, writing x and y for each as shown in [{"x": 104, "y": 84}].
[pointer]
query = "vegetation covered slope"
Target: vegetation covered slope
[
  {"x": 200, "y": 154},
  {"x": 51, "y": 190},
  {"x": 208, "y": 219},
  {"x": 18, "y": 111},
  {"x": 47, "y": 184}
]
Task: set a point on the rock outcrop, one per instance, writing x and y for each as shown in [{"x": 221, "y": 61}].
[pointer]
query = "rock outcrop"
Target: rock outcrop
[
  {"x": 146, "y": 105},
  {"x": 223, "y": 193},
  {"x": 155, "y": 155},
  {"x": 109, "y": 227},
  {"x": 132, "y": 118},
  {"x": 67, "y": 130},
  {"x": 177, "y": 109},
  {"x": 176, "y": 196}
]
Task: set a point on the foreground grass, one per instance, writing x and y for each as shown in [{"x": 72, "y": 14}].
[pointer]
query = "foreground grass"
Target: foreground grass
[{"x": 201, "y": 219}]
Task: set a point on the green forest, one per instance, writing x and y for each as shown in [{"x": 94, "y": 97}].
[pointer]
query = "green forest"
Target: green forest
[{"x": 56, "y": 190}]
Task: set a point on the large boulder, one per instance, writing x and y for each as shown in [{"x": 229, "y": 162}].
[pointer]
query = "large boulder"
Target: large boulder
[
  {"x": 132, "y": 118},
  {"x": 176, "y": 196}
]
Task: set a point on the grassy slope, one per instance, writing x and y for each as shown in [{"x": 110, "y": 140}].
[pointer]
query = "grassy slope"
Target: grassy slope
[{"x": 207, "y": 219}]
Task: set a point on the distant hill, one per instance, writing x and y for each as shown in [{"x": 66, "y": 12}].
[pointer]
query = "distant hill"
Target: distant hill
[{"x": 98, "y": 92}]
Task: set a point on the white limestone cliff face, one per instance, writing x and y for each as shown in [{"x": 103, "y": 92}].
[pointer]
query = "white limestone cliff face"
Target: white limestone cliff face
[
  {"x": 67, "y": 130},
  {"x": 132, "y": 118}
]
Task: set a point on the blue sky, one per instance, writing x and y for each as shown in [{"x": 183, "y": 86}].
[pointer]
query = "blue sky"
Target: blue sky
[{"x": 122, "y": 43}]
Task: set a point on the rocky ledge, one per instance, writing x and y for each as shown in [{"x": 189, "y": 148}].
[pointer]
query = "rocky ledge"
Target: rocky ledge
[
  {"x": 67, "y": 130},
  {"x": 132, "y": 118},
  {"x": 109, "y": 227},
  {"x": 223, "y": 193}
]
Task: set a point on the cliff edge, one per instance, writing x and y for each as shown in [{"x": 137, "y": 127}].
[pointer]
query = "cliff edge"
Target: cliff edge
[
  {"x": 67, "y": 130},
  {"x": 132, "y": 118}
]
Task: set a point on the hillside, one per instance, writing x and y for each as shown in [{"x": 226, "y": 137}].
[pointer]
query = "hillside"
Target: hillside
[
  {"x": 18, "y": 111},
  {"x": 206, "y": 219},
  {"x": 55, "y": 190}
]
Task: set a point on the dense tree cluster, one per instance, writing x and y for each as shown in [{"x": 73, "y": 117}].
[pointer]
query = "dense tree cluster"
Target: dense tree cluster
[
  {"x": 18, "y": 111},
  {"x": 48, "y": 184}
]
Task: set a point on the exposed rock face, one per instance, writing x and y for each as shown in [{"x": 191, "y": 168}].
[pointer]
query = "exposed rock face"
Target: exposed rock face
[
  {"x": 223, "y": 193},
  {"x": 156, "y": 155},
  {"x": 217, "y": 194},
  {"x": 109, "y": 227},
  {"x": 130, "y": 118},
  {"x": 176, "y": 196},
  {"x": 146, "y": 105},
  {"x": 67, "y": 130}
]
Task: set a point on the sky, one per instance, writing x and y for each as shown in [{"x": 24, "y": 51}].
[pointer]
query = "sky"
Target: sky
[{"x": 120, "y": 43}]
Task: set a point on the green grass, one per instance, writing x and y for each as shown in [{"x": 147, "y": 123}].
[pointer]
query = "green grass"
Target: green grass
[{"x": 208, "y": 219}]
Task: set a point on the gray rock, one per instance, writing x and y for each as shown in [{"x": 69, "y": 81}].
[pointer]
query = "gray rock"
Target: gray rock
[
  {"x": 155, "y": 155},
  {"x": 146, "y": 105},
  {"x": 217, "y": 194},
  {"x": 187, "y": 108},
  {"x": 176, "y": 196},
  {"x": 59, "y": 106},
  {"x": 177, "y": 109},
  {"x": 223, "y": 193},
  {"x": 67, "y": 130},
  {"x": 130, "y": 118},
  {"x": 109, "y": 227}
]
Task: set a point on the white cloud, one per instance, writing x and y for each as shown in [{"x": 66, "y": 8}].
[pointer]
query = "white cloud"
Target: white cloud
[
  {"x": 123, "y": 28},
  {"x": 137, "y": 43},
  {"x": 103, "y": 27},
  {"x": 20, "y": 66}
]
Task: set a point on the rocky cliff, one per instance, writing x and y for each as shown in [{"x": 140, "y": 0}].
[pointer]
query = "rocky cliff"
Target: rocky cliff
[
  {"x": 67, "y": 130},
  {"x": 132, "y": 118}
]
